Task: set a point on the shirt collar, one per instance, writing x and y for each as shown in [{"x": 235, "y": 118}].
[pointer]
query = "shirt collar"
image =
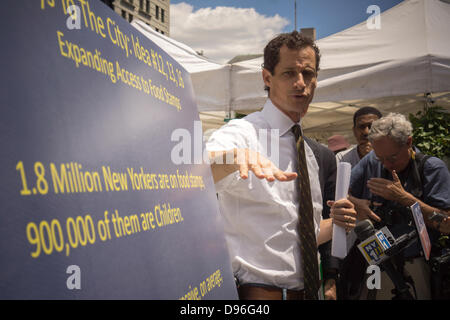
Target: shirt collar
[{"x": 277, "y": 119}]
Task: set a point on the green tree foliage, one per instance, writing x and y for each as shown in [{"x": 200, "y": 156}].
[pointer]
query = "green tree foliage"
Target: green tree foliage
[{"x": 431, "y": 131}]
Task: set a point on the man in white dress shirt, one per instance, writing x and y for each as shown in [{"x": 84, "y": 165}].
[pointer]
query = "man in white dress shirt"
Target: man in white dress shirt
[{"x": 260, "y": 210}]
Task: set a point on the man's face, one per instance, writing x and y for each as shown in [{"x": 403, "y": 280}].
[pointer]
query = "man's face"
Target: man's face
[
  {"x": 362, "y": 127},
  {"x": 392, "y": 155},
  {"x": 294, "y": 80}
]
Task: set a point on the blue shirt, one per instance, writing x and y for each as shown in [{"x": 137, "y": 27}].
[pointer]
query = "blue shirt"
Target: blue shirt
[
  {"x": 436, "y": 184},
  {"x": 435, "y": 188}
]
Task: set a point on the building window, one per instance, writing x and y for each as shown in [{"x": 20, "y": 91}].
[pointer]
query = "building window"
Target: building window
[
  {"x": 162, "y": 15},
  {"x": 162, "y": 32},
  {"x": 157, "y": 12},
  {"x": 141, "y": 4},
  {"x": 147, "y": 6},
  {"x": 130, "y": 18},
  {"x": 124, "y": 14}
]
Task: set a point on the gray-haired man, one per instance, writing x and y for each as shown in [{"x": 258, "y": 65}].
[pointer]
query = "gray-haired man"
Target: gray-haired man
[{"x": 395, "y": 176}]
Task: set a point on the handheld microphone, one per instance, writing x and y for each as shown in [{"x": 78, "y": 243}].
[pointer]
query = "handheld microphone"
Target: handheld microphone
[
  {"x": 364, "y": 229},
  {"x": 373, "y": 243}
]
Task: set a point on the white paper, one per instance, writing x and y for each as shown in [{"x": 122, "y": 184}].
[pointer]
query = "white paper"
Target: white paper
[{"x": 339, "y": 241}]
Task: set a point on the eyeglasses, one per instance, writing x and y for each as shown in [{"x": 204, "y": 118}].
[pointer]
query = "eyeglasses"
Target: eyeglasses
[{"x": 390, "y": 159}]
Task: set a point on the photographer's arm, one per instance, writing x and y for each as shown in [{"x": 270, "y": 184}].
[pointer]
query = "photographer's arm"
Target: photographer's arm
[
  {"x": 393, "y": 191},
  {"x": 362, "y": 207},
  {"x": 427, "y": 211}
]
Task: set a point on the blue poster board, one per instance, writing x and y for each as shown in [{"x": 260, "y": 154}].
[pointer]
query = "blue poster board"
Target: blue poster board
[{"x": 92, "y": 203}]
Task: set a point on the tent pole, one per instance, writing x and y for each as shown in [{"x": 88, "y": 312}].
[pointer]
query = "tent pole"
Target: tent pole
[
  {"x": 230, "y": 114},
  {"x": 295, "y": 14}
]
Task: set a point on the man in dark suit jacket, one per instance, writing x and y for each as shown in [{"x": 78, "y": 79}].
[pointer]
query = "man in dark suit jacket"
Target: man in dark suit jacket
[{"x": 327, "y": 176}]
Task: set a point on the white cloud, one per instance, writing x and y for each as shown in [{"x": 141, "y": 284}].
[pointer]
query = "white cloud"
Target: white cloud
[{"x": 223, "y": 32}]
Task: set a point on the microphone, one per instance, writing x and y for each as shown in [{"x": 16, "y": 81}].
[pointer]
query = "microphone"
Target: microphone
[
  {"x": 364, "y": 229},
  {"x": 401, "y": 243},
  {"x": 373, "y": 246},
  {"x": 373, "y": 243}
]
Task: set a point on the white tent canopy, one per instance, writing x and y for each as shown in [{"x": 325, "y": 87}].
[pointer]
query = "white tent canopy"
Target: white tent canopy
[
  {"x": 409, "y": 54},
  {"x": 390, "y": 68}
]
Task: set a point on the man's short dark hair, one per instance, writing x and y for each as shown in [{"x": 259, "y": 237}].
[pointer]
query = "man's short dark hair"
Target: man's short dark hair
[
  {"x": 365, "y": 110},
  {"x": 293, "y": 40}
]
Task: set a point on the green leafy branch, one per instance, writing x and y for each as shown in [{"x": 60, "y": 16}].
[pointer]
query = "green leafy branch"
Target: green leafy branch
[{"x": 431, "y": 131}]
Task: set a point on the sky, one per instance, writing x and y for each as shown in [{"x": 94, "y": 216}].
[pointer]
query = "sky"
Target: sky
[{"x": 222, "y": 29}]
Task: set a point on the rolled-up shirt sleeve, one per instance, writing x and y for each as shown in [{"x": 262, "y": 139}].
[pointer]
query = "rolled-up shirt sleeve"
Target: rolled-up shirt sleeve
[
  {"x": 437, "y": 183},
  {"x": 231, "y": 136}
]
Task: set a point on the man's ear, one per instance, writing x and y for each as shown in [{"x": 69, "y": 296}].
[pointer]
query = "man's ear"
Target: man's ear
[
  {"x": 409, "y": 142},
  {"x": 354, "y": 131},
  {"x": 267, "y": 77}
]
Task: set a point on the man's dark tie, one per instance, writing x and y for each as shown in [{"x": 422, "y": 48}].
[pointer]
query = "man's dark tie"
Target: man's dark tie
[{"x": 308, "y": 244}]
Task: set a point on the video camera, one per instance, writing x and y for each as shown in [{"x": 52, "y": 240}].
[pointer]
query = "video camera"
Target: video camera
[{"x": 442, "y": 263}]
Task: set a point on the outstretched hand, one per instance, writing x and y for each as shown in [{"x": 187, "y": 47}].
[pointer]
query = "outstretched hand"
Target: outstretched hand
[
  {"x": 225, "y": 162},
  {"x": 262, "y": 167}
]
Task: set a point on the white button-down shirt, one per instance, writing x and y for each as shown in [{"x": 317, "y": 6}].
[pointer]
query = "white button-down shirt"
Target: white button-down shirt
[{"x": 260, "y": 217}]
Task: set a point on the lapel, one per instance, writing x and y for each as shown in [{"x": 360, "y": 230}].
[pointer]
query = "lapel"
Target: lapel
[{"x": 315, "y": 147}]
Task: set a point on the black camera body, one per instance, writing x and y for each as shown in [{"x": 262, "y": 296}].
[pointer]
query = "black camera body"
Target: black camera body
[
  {"x": 393, "y": 216},
  {"x": 400, "y": 221},
  {"x": 441, "y": 263}
]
